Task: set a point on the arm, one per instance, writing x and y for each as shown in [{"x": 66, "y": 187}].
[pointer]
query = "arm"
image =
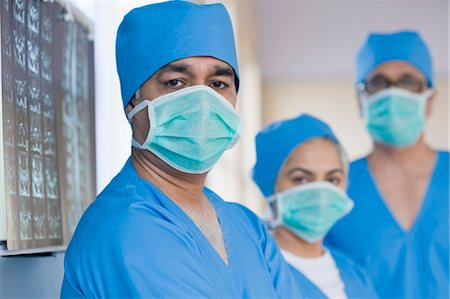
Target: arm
[
  {"x": 144, "y": 257},
  {"x": 284, "y": 282}
]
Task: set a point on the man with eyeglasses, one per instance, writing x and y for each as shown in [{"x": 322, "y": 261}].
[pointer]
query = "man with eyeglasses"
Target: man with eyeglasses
[{"x": 399, "y": 227}]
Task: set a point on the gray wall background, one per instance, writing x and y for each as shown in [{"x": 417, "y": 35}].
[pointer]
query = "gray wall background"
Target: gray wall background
[{"x": 31, "y": 277}]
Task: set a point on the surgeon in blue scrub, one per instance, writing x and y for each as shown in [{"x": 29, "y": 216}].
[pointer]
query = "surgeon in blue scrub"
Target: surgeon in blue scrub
[
  {"x": 156, "y": 230},
  {"x": 302, "y": 170},
  {"x": 399, "y": 228}
]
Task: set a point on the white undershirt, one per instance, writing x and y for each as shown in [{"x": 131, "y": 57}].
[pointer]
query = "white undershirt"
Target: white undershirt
[{"x": 321, "y": 271}]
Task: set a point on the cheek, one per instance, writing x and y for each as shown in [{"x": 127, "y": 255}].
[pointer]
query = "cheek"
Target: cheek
[
  {"x": 283, "y": 184},
  {"x": 231, "y": 96},
  {"x": 343, "y": 185},
  {"x": 141, "y": 126}
]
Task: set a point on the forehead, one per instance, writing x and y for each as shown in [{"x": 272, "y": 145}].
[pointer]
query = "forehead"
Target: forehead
[
  {"x": 318, "y": 153},
  {"x": 396, "y": 69}
]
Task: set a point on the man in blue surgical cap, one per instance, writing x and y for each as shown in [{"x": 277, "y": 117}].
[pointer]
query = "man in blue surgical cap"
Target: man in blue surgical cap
[
  {"x": 399, "y": 228},
  {"x": 156, "y": 230}
]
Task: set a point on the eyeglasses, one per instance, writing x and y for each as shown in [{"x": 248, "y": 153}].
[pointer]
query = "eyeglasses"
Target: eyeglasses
[{"x": 380, "y": 82}]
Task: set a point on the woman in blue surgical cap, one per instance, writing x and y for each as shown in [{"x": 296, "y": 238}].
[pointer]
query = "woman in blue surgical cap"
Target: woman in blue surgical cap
[{"x": 302, "y": 170}]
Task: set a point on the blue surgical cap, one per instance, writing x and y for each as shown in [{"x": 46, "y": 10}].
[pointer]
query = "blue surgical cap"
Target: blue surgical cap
[
  {"x": 405, "y": 46},
  {"x": 275, "y": 142},
  {"x": 155, "y": 35}
]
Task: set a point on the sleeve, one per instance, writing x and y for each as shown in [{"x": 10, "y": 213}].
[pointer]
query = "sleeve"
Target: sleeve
[
  {"x": 329, "y": 240},
  {"x": 366, "y": 281},
  {"x": 145, "y": 257},
  {"x": 68, "y": 290},
  {"x": 284, "y": 282},
  {"x": 357, "y": 281}
]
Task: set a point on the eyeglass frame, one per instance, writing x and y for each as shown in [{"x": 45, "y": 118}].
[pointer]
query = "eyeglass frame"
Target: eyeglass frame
[{"x": 362, "y": 86}]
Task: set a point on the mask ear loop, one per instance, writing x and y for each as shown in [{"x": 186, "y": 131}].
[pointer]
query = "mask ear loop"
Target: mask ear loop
[
  {"x": 365, "y": 109},
  {"x": 137, "y": 109},
  {"x": 133, "y": 112},
  {"x": 274, "y": 222},
  {"x": 427, "y": 94}
]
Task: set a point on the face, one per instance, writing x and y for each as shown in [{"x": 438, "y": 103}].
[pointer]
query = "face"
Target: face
[
  {"x": 178, "y": 75},
  {"x": 397, "y": 74},
  {"x": 315, "y": 160}
]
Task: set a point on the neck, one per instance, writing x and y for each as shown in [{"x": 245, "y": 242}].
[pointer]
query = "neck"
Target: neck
[
  {"x": 183, "y": 188},
  {"x": 402, "y": 156},
  {"x": 290, "y": 242}
]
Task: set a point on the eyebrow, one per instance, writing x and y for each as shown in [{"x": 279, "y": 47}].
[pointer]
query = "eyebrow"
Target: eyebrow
[
  {"x": 308, "y": 172},
  {"x": 403, "y": 75},
  {"x": 223, "y": 71},
  {"x": 337, "y": 170},
  {"x": 299, "y": 169},
  {"x": 186, "y": 69},
  {"x": 175, "y": 68}
]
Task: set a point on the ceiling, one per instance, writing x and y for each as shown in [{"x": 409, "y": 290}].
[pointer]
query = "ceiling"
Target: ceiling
[{"x": 319, "y": 38}]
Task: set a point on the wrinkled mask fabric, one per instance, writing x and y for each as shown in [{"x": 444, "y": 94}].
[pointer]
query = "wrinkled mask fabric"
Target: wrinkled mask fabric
[
  {"x": 190, "y": 128},
  {"x": 394, "y": 116},
  {"x": 310, "y": 210}
]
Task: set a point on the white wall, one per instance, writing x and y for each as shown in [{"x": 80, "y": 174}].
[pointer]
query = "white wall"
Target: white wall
[{"x": 319, "y": 38}]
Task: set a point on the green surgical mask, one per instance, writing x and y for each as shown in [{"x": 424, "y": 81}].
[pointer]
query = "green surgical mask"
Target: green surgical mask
[
  {"x": 190, "y": 128},
  {"x": 395, "y": 116},
  {"x": 310, "y": 210}
]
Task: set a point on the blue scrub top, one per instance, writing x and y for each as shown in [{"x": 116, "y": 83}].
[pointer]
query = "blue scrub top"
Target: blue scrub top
[
  {"x": 402, "y": 264},
  {"x": 133, "y": 241},
  {"x": 356, "y": 282}
]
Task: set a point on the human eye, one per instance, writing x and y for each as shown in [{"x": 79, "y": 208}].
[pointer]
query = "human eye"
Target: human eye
[
  {"x": 174, "y": 83},
  {"x": 411, "y": 83},
  {"x": 377, "y": 83},
  {"x": 219, "y": 85},
  {"x": 299, "y": 180},
  {"x": 334, "y": 180}
]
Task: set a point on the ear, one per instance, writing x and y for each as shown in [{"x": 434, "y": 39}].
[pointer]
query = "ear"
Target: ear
[
  {"x": 131, "y": 104},
  {"x": 430, "y": 104},
  {"x": 129, "y": 107}
]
